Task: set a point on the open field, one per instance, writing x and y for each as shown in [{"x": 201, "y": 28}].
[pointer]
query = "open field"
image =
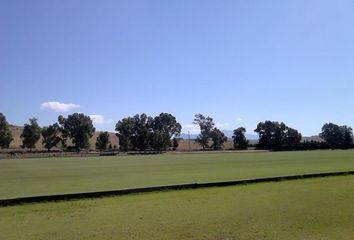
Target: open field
[
  {"x": 302, "y": 209},
  {"x": 29, "y": 177}
]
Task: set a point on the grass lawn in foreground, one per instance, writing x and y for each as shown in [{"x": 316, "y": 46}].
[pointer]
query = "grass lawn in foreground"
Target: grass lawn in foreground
[
  {"x": 45, "y": 176},
  {"x": 321, "y": 208}
]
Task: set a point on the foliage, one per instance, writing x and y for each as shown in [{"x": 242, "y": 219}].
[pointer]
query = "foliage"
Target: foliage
[
  {"x": 291, "y": 139},
  {"x": 51, "y": 136},
  {"x": 337, "y": 136},
  {"x": 31, "y": 134},
  {"x": 103, "y": 141},
  {"x": 5, "y": 132},
  {"x": 79, "y": 128},
  {"x": 206, "y": 126},
  {"x": 218, "y": 138},
  {"x": 164, "y": 127},
  {"x": 175, "y": 144},
  {"x": 143, "y": 132},
  {"x": 239, "y": 139},
  {"x": 125, "y": 128},
  {"x": 141, "y": 129},
  {"x": 276, "y": 136}
]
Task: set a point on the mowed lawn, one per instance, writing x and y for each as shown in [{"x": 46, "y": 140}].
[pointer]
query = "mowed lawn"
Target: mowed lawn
[
  {"x": 29, "y": 177},
  {"x": 321, "y": 208}
]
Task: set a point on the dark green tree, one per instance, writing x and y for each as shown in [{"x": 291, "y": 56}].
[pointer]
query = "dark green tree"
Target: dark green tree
[
  {"x": 103, "y": 141},
  {"x": 5, "y": 132},
  {"x": 175, "y": 144},
  {"x": 79, "y": 128},
  {"x": 218, "y": 138},
  {"x": 125, "y": 129},
  {"x": 31, "y": 134},
  {"x": 156, "y": 140},
  {"x": 332, "y": 134},
  {"x": 141, "y": 131},
  {"x": 337, "y": 136},
  {"x": 164, "y": 127},
  {"x": 292, "y": 138},
  {"x": 206, "y": 126},
  {"x": 51, "y": 136},
  {"x": 347, "y": 135},
  {"x": 266, "y": 134},
  {"x": 134, "y": 132},
  {"x": 239, "y": 138},
  {"x": 276, "y": 136}
]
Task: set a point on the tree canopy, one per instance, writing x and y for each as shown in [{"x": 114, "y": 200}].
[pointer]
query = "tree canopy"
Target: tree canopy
[
  {"x": 102, "y": 141},
  {"x": 5, "y": 132},
  {"x": 125, "y": 128},
  {"x": 239, "y": 138},
  {"x": 51, "y": 136},
  {"x": 276, "y": 136},
  {"x": 79, "y": 128},
  {"x": 337, "y": 136},
  {"x": 209, "y": 133},
  {"x": 142, "y": 132},
  {"x": 206, "y": 126},
  {"x": 218, "y": 138},
  {"x": 164, "y": 128},
  {"x": 31, "y": 134}
]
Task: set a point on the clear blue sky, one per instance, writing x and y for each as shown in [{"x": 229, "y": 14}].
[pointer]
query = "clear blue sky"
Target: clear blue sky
[{"x": 238, "y": 61}]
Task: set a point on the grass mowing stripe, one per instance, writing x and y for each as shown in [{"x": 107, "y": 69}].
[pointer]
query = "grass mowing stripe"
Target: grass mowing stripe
[
  {"x": 320, "y": 208},
  {"x": 37, "y": 199},
  {"x": 33, "y": 177}
]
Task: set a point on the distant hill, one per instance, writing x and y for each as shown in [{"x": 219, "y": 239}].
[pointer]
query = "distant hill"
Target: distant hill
[
  {"x": 184, "y": 145},
  {"x": 312, "y": 138},
  {"x": 17, "y": 142},
  {"x": 252, "y": 138},
  {"x": 249, "y": 136},
  {"x": 228, "y": 133}
]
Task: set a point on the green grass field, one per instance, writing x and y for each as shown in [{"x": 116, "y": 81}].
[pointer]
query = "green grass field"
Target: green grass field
[
  {"x": 29, "y": 177},
  {"x": 321, "y": 208}
]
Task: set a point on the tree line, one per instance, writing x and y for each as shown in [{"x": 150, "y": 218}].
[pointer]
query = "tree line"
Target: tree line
[
  {"x": 142, "y": 132},
  {"x": 161, "y": 133}
]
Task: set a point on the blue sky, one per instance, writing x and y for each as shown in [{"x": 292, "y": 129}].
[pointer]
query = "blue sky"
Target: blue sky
[{"x": 241, "y": 62}]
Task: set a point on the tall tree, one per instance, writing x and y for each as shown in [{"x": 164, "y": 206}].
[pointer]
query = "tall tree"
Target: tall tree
[
  {"x": 134, "y": 132},
  {"x": 141, "y": 131},
  {"x": 337, "y": 136},
  {"x": 291, "y": 138},
  {"x": 239, "y": 138},
  {"x": 31, "y": 134},
  {"x": 165, "y": 127},
  {"x": 206, "y": 126},
  {"x": 347, "y": 133},
  {"x": 276, "y": 136},
  {"x": 103, "y": 141},
  {"x": 79, "y": 128},
  {"x": 51, "y": 136},
  {"x": 266, "y": 134},
  {"x": 125, "y": 129},
  {"x": 218, "y": 138},
  {"x": 5, "y": 132},
  {"x": 332, "y": 134}
]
